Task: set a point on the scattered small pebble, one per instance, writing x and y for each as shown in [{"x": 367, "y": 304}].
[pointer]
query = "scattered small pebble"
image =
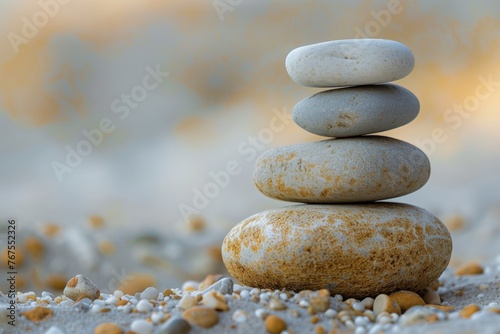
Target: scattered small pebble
[
  {"x": 38, "y": 314},
  {"x": 419, "y": 314},
  {"x": 406, "y": 299},
  {"x": 274, "y": 324},
  {"x": 208, "y": 281},
  {"x": 79, "y": 287},
  {"x": 215, "y": 300},
  {"x": 384, "y": 303},
  {"x": 470, "y": 268},
  {"x": 431, "y": 297},
  {"x": 223, "y": 286},
  {"x": 54, "y": 330},
  {"x": 240, "y": 316},
  {"x": 144, "y": 306},
  {"x": 150, "y": 293},
  {"x": 174, "y": 326},
  {"x": 277, "y": 305},
  {"x": 469, "y": 310},
  {"x": 108, "y": 328},
  {"x": 201, "y": 316},
  {"x": 140, "y": 326},
  {"x": 187, "y": 301}
]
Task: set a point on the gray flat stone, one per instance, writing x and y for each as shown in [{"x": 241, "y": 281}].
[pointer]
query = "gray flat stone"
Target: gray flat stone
[{"x": 356, "y": 111}]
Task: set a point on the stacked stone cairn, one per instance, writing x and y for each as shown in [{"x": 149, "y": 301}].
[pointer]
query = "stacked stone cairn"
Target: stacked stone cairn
[{"x": 342, "y": 239}]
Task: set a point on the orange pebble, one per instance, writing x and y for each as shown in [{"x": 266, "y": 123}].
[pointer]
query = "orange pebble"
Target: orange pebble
[
  {"x": 469, "y": 310},
  {"x": 274, "y": 324},
  {"x": 470, "y": 268},
  {"x": 406, "y": 299},
  {"x": 35, "y": 247}
]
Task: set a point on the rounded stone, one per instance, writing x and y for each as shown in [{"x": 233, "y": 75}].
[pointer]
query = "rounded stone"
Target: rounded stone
[
  {"x": 356, "y": 250},
  {"x": 349, "y": 62},
  {"x": 342, "y": 170},
  {"x": 356, "y": 111}
]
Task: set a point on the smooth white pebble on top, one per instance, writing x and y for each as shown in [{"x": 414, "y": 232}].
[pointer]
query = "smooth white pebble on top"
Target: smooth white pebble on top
[{"x": 349, "y": 62}]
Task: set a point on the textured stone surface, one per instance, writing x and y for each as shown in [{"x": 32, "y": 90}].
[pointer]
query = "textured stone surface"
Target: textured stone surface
[
  {"x": 342, "y": 170},
  {"x": 349, "y": 62},
  {"x": 356, "y": 111},
  {"x": 357, "y": 250}
]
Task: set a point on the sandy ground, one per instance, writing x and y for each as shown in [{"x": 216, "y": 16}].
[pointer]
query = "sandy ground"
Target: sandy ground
[
  {"x": 456, "y": 291},
  {"x": 479, "y": 289}
]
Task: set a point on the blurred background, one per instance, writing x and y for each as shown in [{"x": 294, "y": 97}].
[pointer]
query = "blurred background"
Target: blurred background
[{"x": 116, "y": 117}]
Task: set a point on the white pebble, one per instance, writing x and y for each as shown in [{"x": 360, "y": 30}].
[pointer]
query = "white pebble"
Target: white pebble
[
  {"x": 126, "y": 308},
  {"x": 362, "y": 321},
  {"x": 96, "y": 308},
  {"x": 283, "y": 296},
  {"x": 144, "y": 306},
  {"x": 360, "y": 330},
  {"x": 481, "y": 295},
  {"x": 187, "y": 301},
  {"x": 141, "y": 327},
  {"x": 111, "y": 300},
  {"x": 240, "y": 316},
  {"x": 349, "y": 324},
  {"x": 245, "y": 294},
  {"x": 237, "y": 288},
  {"x": 368, "y": 302},
  {"x": 99, "y": 302},
  {"x": 190, "y": 285},
  {"x": 261, "y": 313},
  {"x": 150, "y": 293},
  {"x": 54, "y": 330},
  {"x": 304, "y": 303},
  {"x": 47, "y": 294},
  {"x": 358, "y": 306},
  {"x": 384, "y": 320},
  {"x": 156, "y": 317},
  {"x": 264, "y": 296},
  {"x": 330, "y": 313},
  {"x": 375, "y": 329},
  {"x": 339, "y": 297},
  {"x": 118, "y": 293}
]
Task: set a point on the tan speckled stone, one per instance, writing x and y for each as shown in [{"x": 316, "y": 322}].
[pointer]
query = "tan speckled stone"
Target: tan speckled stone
[
  {"x": 356, "y": 250},
  {"x": 342, "y": 170}
]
